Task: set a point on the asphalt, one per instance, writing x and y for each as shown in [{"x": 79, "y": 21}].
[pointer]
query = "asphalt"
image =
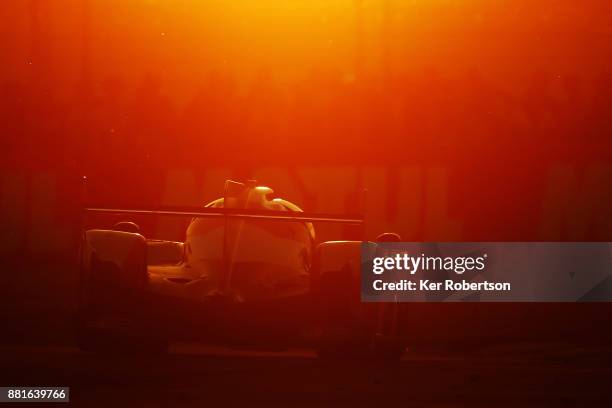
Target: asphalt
[{"x": 536, "y": 374}]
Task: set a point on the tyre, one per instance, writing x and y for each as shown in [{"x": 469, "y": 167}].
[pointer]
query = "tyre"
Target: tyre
[
  {"x": 368, "y": 333},
  {"x": 352, "y": 329},
  {"x": 114, "y": 312},
  {"x": 349, "y": 328}
]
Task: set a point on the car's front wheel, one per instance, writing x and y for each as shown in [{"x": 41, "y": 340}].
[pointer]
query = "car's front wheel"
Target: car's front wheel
[
  {"x": 348, "y": 327},
  {"x": 114, "y": 311}
]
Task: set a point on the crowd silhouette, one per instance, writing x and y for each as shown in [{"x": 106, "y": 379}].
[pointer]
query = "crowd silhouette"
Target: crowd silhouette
[{"x": 327, "y": 117}]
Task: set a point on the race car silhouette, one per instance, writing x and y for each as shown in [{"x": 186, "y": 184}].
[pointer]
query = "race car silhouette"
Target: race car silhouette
[{"x": 250, "y": 274}]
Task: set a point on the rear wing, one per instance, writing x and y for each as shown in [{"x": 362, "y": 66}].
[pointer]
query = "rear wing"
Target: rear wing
[{"x": 246, "y": 214}]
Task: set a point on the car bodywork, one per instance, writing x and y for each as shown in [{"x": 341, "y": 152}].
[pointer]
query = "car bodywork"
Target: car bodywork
[{"x": 249, "y": 273}]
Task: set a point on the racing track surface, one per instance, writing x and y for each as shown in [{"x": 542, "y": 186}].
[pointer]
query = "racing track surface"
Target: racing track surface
[{"x": 195, "y": 375}]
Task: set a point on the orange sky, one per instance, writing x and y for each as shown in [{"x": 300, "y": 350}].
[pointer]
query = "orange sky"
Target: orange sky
[{"x": 178, "y": 41}]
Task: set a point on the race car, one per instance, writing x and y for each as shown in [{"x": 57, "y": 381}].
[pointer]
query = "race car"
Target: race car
[{"x": 250, "y": 274}]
